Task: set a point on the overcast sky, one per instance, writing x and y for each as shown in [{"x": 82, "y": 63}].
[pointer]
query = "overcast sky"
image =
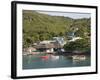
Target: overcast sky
[{"x": 68, "y": 14}]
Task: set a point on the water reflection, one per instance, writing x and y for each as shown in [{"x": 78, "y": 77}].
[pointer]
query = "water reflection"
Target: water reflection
[
  {"x": 53, "y": 57},
  {"x": 53, "y": 61}
]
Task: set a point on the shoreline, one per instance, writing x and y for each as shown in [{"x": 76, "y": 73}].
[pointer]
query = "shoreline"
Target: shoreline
[{"x": 59, "y": 53}]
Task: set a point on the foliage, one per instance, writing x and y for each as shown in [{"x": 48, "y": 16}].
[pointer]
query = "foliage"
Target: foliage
[
  {"x": 79, "y": 45},
  {"x": 38, "y": 26}
]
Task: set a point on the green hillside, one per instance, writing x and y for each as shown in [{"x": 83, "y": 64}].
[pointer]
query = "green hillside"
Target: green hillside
[{"x": 38, "y": 26}]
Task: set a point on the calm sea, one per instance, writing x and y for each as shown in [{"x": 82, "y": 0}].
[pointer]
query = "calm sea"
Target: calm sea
[{"x": 38, "y": 61}]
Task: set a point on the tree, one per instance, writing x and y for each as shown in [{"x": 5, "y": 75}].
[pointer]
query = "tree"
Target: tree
[{"x": 79, "y": 45}]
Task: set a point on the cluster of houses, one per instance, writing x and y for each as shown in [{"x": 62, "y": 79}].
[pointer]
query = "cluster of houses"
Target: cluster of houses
[{"x": 49, "y": 46}]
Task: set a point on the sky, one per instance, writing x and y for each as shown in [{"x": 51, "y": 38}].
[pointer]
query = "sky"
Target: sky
[{"x": 68, "y": 14}]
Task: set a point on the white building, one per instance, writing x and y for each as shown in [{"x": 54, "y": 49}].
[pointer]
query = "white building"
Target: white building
[
  {"x": 74, "y": 39},
  {"x": 60, "y": 40},
  {"x": 47, "y": 41}
]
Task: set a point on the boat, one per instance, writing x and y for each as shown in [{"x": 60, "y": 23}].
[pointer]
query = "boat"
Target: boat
[
  {"x": 78, "y": 57},
  {"x": 44, "y": 57}
]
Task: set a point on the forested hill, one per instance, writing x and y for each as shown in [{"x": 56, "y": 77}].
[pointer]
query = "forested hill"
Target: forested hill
[
  {"x": 37, "y": 22},
  {"x": 38, "y": 26}
]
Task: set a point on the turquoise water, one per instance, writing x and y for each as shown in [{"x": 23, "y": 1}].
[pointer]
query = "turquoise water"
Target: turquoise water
[{"x": 38, "y": 61}]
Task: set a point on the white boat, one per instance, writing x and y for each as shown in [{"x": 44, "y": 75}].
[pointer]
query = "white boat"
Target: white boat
[{"x": 79, "y": 57}]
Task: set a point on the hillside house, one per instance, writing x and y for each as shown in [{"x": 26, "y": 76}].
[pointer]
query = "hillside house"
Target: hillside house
[{"x": 48, "y": 47}]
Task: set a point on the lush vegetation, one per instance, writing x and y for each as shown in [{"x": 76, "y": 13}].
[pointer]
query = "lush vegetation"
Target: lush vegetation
[
  {"x": 38, "y": 27},
  {"x": 78, "y": 45}
]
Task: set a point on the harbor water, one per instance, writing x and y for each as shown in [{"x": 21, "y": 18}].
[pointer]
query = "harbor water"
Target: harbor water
[{"x": 40, "y": 61}]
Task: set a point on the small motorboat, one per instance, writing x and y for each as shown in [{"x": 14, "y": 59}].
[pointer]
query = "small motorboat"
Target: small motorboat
[
  {"x": 44, "y": 57},
  {"x": 79, "y": 57}
]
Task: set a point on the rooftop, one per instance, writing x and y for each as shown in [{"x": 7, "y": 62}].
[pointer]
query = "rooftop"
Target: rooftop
[{"x": 51, "y": 45}]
